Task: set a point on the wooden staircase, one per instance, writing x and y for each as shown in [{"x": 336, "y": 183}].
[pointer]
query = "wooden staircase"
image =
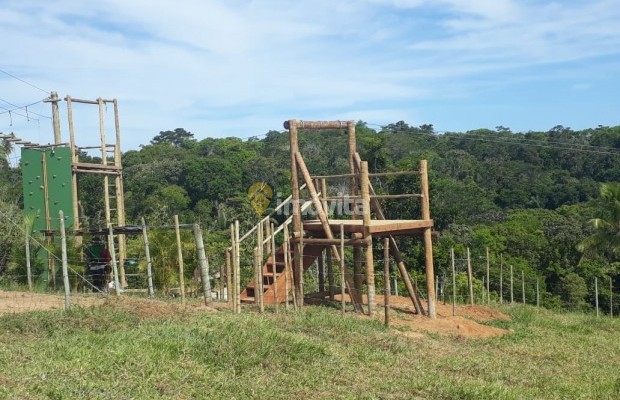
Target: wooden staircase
[{"x": 310, "y": 254}]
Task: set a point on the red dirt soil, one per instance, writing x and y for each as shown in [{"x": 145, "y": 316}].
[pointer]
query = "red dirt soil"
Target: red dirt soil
[{"x": 402, "y": 318}]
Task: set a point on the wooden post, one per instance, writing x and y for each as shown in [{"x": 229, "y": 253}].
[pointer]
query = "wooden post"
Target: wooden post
[
  {"x": 257, "y": 266},
  {"x": 289, "y": 266},
  {"x": 537, "y": 294},
  {"x": 330, "y": 273},
  {"x": 428, "y": 241},
  {"x": 149, "y": 264},
  {"x": 355, "y": 292},
  {"x": 512, "y": 298},
  {"x": 297, "y": 228},
  {"x": 342, "y": 266},
  {"x": 228, "y": 276},
  {"x": 386, "y": 279},
  {"x": 322, "y": 272},
  {"x": 286, "y": 248},
  {"x": 611, "y": 297},
  {"x": 237, "y": 269},
  {"x": 259, "y": 286},
  {"x": 470, "y": 278},
  {"x": 204, "y": 264},
  {"x": 300, "y": 267},
  {"x": 501, "y": 278},
  {"x": 28, "y": 269},
  {"x": 119, "y": 195},
  {"x": 596, "y": 294},
  {"x": 453, "y": 281},
  {"x": 233, "y": 254},
  {"x": 104, "y": 161},
  {"x": 74, "y": 159},
  {"x": 370, "y": 268},
  {"x": 55, "y": 117},
  {"x": 177, "y": 230},
  {"x": 523, "y": 286},
  {"x": 395, "y": 287},
  {"x": 488, "y": 278},
  {"x": 65, "y": 266},
  {"x": 48, "y": 219},
  {"x": 117, "y": 283},
  {"x": 222, "y": 282},
  {"x": 482, "y": 297},
  {"x": 274, "y": 269}
]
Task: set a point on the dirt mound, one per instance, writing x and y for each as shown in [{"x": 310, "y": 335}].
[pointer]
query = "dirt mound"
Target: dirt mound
[{"x": 462, "y": 324}]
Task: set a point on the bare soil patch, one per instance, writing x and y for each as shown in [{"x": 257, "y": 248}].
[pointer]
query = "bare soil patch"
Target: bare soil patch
[{"x": 18, "y": 302}]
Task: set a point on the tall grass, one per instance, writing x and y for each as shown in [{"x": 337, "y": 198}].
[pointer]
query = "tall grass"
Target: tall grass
[{"x": 114, "y": 352}]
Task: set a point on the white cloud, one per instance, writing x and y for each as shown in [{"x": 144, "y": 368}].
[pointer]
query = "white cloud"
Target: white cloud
[{"x": 224, "y": 68}]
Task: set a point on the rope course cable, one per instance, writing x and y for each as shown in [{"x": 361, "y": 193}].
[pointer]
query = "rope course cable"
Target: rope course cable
[{"x": 24, "y": 81}]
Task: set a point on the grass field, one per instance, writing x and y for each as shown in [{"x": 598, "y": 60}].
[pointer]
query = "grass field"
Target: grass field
[{"x": 120, "y": 350}]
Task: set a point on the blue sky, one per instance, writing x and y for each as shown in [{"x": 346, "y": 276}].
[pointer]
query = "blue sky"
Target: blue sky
[{"x": 241, "y": 67}]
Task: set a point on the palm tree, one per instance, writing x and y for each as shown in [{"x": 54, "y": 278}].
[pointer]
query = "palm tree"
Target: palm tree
[{"x": 605, "y": 240}]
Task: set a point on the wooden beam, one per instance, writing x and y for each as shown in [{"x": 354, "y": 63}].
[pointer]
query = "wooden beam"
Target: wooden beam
[{"x": 315, "y": 125}]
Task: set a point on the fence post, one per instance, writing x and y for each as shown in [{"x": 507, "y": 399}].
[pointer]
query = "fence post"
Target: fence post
[
  {"x": 204, "y": 264},
  {"x": 470, "y": 278},
  {"x": 611, "y": 297},
  {"x": 512, "y": 298},
  {"x": 28, "y": 269},
  {"x": 149, "y": 264},
  {"x": 65, "y": 267},
  {"x": 342, "y": 278},
  {"x": 386, "y": 279},
  {"x": 117, "y": 284},
  {"x": 523, "y": 286},
  {"x": 453, "y": 282},
  {"x": 177, "y": 230},
  {"x": 537, "y": 294},
  {"x": 488, "y": 278},
  {"x": 596, "y": 294},
  {"x": 501, "y": 278}
]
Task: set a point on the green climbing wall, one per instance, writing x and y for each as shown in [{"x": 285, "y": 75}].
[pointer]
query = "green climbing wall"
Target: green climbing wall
[{"x": 60, "y": 196}]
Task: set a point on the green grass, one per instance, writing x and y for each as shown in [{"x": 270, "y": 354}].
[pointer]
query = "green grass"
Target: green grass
[{"x": 112, "y": 353}]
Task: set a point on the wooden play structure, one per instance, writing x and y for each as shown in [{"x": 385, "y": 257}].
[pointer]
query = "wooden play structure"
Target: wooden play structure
[{"x": 323, "y": 238}]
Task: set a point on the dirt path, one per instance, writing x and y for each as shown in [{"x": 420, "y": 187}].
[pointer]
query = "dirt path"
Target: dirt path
[{"x": 17, "y": 302}]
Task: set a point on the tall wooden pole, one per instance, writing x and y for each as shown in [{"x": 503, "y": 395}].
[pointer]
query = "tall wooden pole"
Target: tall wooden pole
[
  {"x": 65, "y": 266},
  {"x": 55, "y": 117},
  {"x": 177, "y": 231},
  {"x": 28, "y": 269},
  {"x": 330, "y": 273},
  {"x": 342, "y": 267},
  {"x": 370, "y": 268},
  {"x": 259, "y": 286},
  {"x": 501, "y": 278},
  {"x": 204, "y": 264},
  {"x": 537, "y": 293},
  {"x": 297, "y": 228},
  {"x": 237, "y": 268},
  {"x": 222, "y": 281},
  {"x": 523, "y": 286},
  {"x": 74, "y": 160},
  {"x": 488, "y": 277},
  {"x": 233, "y": 254},
  {"x": 48, "y": 219},
  {"x": 428, "y": 241},
  {"x": 321, "y": 271},
  {"x": 287, "y": 240},
  {"x": 512, "y": 298},
  {"x": 470, "y": 278},
  {"x": 453, "y": 281},
  {"x": 149, "y": 264},
  {"x": 274, "y": 269},
  {"x": 386, "y": 279},
  {"x": 228, "y": 276},
  {"x": 120, "y": 195},
  {"x": 112, "y": 250},
  {"x": 257, "y": 266},
  {"x": 596, "y": 294},
  {"x": 611, "y": 297},
  {"x": 287, "y": 286}
]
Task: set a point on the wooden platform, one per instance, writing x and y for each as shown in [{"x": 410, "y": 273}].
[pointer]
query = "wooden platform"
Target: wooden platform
[{"x": 377, "y": 227}]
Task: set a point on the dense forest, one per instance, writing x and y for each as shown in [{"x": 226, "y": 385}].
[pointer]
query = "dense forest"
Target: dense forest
[{"x": 547, "y": 203}]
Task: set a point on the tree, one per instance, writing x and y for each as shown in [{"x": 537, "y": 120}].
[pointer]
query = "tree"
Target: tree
[
  {"x": 605, "y": 240},
  {"x": 176, "y": 138}
]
